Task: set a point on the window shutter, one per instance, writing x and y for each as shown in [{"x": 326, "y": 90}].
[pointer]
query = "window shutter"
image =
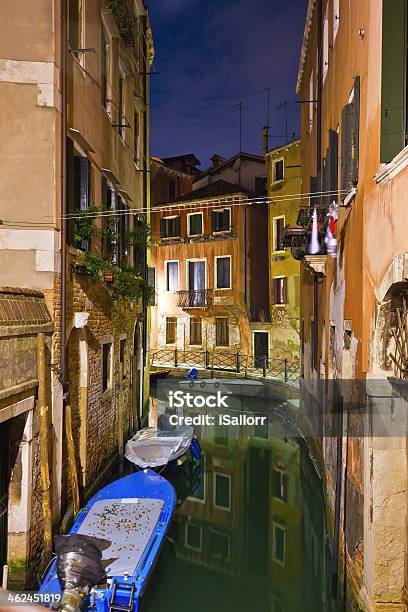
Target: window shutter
[
  {"x": 226, "y": 221},
  {"x": 177, "y": 226},
  {"x": 214, "y": 220},
  {"x": 393, "y": 90},
  {"x": 70, "y": 190},
  {"x": 325, "y": 182},
  {"x": 333, "y": 164},
  {"x": 84, "y": 182},
  {"x": 356, "y": 129},
  {"x": 347, "y": 117},
  {"x": 313, "y": 189},
  {"x": 163, "y": 227}
]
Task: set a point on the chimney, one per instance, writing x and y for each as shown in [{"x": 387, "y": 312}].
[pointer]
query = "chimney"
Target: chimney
[
  {"x": 265, "y": 139},
  {"x": 216, "y": 160}
]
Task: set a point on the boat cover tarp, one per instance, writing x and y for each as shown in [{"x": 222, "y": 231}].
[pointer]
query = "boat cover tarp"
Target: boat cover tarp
[
  {"x": 154, "y": 447},
  {"x": 131, "y": 521}
]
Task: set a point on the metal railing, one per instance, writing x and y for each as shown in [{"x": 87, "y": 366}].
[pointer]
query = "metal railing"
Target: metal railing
[
  {"x": 227, "y": 361},
  {"x": 195, "y": 298}
]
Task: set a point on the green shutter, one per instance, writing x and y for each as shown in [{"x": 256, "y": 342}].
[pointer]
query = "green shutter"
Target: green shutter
[
  {"x": 333, "y": 163},
  {"x": 177, "y": 226},
  {"x": 214, "y": 220},
  {"x": 393, "y": 87},
  {"x": 163, "y": 225},
  {"x": 347, "y": 118},
  {"x": 226, "y": 221}
]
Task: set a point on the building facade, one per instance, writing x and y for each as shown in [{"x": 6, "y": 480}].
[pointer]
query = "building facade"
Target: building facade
[
  {"x": 172, "y": 177},
  {"x": 279, "y": 337},
  {"x": 77, "y": 90},
  {"x": 352, "y": 81}
]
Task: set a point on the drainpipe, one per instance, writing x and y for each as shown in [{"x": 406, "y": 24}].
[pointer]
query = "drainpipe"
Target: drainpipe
[{"x": 63, "y": 360}]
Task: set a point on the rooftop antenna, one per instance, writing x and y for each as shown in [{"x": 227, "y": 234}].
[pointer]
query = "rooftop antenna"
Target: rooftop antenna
[
  {"x": 241, "y": 108},
  {"x": 285, "y": 106}
]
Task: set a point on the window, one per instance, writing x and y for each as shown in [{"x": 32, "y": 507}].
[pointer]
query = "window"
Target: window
[
  {"x": 106, "y": 61},
  {"x": 121, "y": 105},
  {"x": 123, "y": 230},
  {"x": 172, "y": 190},
  {"x": 76, "y": 21},
  {"x": 171, "y": 330},
  {"x": 279, "y": 287},
  {"x": 79, "y": 181},
  {"x": 195, "y": 224},
  {"x": 195, "y": 331},
  {"x": 170, "y": 227},
  {"x": 172, "y": 275},
  {"x": 222, "y": 491},
  {"x": 278, "y": 543},
  {"x": 193, "y": 536},
  {"x": 278, "y": 229},
  {"x": 221, "y": 220},
  {"x": 326, "y": 42},
  {"x": 222, "y": 331},
  {"x": 394, "y": 82},
  {"x": 336, "y": 18},
  {"x": 108, "y": 203},
  {"x": 107, "y": 358},
  {"x": 122, "y": 357},
  {"x": 139, "y": 243},
  {"x": 278, "y": 170},
  {"x": 220, "y": 545},
  {"x": 223, "y": 272},
  {"x": 280, "y": 485}
]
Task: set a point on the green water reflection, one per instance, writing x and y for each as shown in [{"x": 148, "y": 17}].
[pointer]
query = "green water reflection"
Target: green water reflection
[{"x": 252, "y": 537}]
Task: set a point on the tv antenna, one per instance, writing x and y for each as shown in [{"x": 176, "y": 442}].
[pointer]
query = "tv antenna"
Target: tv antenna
[{"x": 241, "y": 108}]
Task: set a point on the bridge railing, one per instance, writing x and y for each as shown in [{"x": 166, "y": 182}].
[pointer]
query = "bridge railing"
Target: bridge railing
[{"x": 227, "y": 361}]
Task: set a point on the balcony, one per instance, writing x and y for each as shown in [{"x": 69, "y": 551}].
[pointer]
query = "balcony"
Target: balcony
[{"x": 195, "y": 298}]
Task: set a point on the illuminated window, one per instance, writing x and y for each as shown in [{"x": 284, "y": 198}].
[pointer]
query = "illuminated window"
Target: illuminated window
[
  {"x": 279, "y": 287},
  {"x": 172, "y": 275}
]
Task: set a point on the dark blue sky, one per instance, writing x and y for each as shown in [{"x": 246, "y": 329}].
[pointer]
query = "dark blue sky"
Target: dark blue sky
[{"x": 212, "y": 54}]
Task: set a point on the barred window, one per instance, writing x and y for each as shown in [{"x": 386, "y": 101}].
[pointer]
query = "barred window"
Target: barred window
[
  {"x": 195, "y": 331},
  {"x": 222, "y": 331}
]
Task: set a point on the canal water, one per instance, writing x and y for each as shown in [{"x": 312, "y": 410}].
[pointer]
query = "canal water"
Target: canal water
[{"x": 249, "y": 534}]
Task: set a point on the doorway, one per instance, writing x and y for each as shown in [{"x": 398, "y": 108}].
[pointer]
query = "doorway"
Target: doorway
[
  {"x": 4, "y": 488},
  {"x": 261, "y": 348}
]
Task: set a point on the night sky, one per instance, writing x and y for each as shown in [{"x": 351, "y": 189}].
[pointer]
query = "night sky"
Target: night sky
[{"x": 212, "y": 54}]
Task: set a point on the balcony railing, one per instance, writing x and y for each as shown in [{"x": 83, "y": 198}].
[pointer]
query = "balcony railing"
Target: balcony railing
[{"x": 195, "y": 298}]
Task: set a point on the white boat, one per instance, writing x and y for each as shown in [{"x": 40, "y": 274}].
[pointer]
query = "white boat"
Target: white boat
[
  {"x": 228, "y": 386},
  {"x": 151, "y": 448}
]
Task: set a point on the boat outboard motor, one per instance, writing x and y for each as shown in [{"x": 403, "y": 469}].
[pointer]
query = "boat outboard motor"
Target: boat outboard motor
[{"x": 79, "y": 567}]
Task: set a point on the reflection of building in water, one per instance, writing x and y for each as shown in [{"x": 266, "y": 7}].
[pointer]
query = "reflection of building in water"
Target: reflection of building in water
[
  {"x": 245, "y": 517},
  {"x": 209, "y": 527}
]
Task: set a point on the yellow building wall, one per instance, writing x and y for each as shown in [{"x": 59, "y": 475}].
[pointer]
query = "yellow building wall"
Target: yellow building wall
[{"x": 284, "y": 202}]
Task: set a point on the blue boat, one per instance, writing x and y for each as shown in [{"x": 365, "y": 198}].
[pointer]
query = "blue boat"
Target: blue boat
[{"x": 133, "y": 514}]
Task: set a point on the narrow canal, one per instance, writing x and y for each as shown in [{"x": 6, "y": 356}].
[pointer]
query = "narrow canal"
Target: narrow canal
[{"x": 250, "y": 534}]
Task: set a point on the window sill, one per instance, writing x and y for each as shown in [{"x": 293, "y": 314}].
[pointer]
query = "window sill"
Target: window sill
[
  {"x": 394, "y": 167},
  {"x": 222, "y": 288}
]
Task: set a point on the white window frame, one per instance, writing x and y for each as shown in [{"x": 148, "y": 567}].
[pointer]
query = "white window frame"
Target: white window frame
[
  {"x": 276, "y": 526},
  {"x": 216, "y": 232},
  {"x": 229, "y": 331},
  {"x": 216, "y": 275},
  {"x": 170, "y": 217},
  {"x": 336, "y": 19},
  {"x": 165, "y": 330},
  {"x": 109, "y": 386},
  {"x": 261, "y": 331},
  {"x": 204, "y": 259},
  {"x": 224, "y": 535},
  {"x": 188, "y": 223},
  {"x": 274, "y": 162},
  {"x": 215, "y": 474},
  {"x": 325, "y": 55},
  {"x": 167, "y": 261},
  {"x": 284, "y": 472},
  {"x": 188, "y": 523},
  {"x": 274, "y": 219}
]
